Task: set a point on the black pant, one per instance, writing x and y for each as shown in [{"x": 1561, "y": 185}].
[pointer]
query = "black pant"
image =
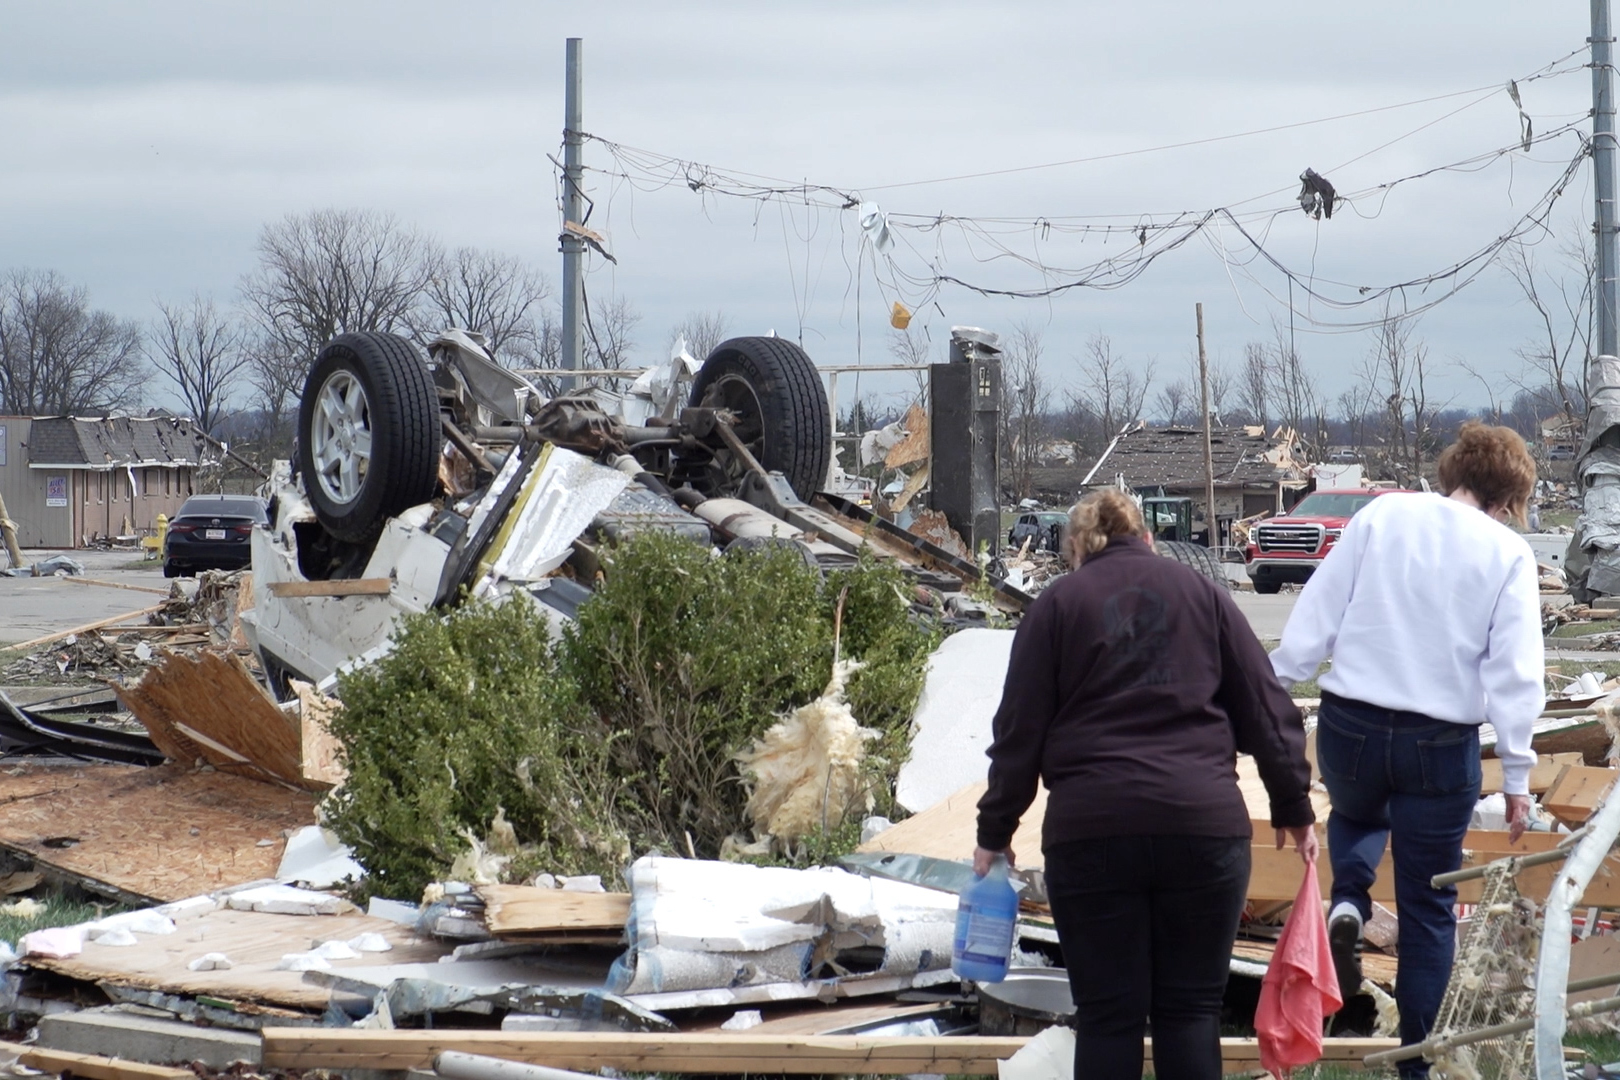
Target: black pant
[{"x": 1147, "y": 925}]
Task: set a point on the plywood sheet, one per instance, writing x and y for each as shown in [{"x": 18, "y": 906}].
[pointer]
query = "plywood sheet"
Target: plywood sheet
[
  {"x": 159, "y": 834},
  {"x": 205, "y": 705},
  {"x": 949, "y": 830},
  {"x": 255, "y": 942}
]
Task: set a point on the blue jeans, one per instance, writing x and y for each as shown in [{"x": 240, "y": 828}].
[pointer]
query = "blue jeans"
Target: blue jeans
[{"x": 1414, "y": 780}]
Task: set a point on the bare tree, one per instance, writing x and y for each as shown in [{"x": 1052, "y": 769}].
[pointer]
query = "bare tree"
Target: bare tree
[
  {"x": 703, "y": 331},
  {"x": 200, "y": 352},
  {"x": 1397, "y": 372},
  {"x": 329, "y": 272},
  {"x": 1172, "y": 402},
  {"x": 57, "y": 355},
  {"x": 493, "y": 294},
  {"x": 1220, "y": 386},
  {"x": 1254, "y": 384},
  {"x": 1112, "y": 390},
  {"x": 912, "y": 349},
  {"x": 1024, "y": 400},
  {"x": 1294, "y": 392},
  {"x": 610, "y": 330},
  {"x": 1554, "y": 360}
]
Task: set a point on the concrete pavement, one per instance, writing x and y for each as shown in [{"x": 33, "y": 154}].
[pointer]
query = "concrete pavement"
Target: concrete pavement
[{"x": 33, "y": 607}]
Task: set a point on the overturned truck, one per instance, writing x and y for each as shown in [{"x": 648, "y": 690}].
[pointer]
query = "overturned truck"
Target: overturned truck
[{"x": 421, "y": 481}]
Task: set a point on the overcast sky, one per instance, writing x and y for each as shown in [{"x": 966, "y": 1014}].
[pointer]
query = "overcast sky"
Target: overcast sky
[{"x": 146, "y": 145}]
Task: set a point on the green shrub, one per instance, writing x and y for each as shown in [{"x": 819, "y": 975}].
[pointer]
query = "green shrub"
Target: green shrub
[
  {"x": 465, "y": 716},
  {"x": 620, "y": 738}
]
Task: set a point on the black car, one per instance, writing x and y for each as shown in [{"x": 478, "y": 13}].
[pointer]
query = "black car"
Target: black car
[
  {"x": 1044, "y": 529},
  {"x": 212, "y": 532}
]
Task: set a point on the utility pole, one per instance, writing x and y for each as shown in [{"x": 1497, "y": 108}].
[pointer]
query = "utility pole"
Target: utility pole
[
  {"x": 1212, "y": 536},
  {"x": 1603, "y": 154},
  {"x": 573, "y": 245},
  {"x": 1595, "y": 571}
]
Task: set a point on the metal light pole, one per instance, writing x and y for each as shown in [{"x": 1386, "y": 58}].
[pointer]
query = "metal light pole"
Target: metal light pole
[{"x": 573, "y": 246}]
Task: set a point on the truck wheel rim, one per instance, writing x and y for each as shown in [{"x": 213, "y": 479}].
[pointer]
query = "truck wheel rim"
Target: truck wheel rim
[
  {"x": 340, "y": 437},
  {"x": 738, "y": 396}
]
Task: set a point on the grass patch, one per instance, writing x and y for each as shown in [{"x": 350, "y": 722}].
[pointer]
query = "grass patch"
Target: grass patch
[
  {"x": 1576, "y": 630},
  {"x": 56, "y": 909}
]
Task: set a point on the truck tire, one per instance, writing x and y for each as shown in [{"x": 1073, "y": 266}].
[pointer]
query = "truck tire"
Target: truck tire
[
  {"x": 1268, "y": 588},
  {"x": 368, "y": 433},
  {"x": 1194, "y": 557},
  {"x": 781, "y": 406}
]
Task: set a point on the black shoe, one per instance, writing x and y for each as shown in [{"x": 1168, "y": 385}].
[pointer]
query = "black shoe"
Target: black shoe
[{"x": 1344, "y": 941}]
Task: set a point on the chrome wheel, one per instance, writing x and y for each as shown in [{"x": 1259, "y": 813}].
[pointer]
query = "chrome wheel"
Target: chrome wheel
[{"x": 340, "y": 437}]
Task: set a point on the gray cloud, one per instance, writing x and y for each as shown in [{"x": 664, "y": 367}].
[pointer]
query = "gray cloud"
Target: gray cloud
[{"x": 147, "y": 144}]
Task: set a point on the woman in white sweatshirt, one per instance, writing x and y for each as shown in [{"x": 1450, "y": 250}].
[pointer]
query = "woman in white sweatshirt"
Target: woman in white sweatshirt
[{"x": 1430, "y": 609}]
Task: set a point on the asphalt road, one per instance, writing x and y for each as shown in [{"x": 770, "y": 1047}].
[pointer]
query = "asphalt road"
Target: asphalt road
[{"x": 33, "y": 607}]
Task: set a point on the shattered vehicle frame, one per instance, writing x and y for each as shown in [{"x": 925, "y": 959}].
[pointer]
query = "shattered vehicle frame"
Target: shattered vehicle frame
[{"x": 423, "y": 480}]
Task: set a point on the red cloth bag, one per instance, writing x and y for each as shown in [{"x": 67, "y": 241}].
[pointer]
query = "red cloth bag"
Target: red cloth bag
[{"x": 1300, "y": 988}]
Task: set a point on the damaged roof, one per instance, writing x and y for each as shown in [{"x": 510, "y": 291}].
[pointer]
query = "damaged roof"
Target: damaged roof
[
  {"x": 1173, "y": 457},
  {"x": 116, "y": 441}
]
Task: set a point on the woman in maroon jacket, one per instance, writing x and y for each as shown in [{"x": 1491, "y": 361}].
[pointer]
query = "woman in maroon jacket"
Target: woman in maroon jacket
[{"x": 1133, "y": 684}]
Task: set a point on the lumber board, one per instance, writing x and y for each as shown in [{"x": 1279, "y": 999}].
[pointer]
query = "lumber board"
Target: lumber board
[
  {"x": 525, "y": 910},
  {"x": 320, "y": 750},
  {"x": 99, "y": 624},
  {"x": 206, "y": 706},
  {"x": 1577, "y": 792},
  {"x": 115, "y": 585},
  {"x": 339, "y": 587},
  {"x": 704, "y": 1052},
  {"x": 146, "y": 835},
  {"x": 90, "y": 1065}
]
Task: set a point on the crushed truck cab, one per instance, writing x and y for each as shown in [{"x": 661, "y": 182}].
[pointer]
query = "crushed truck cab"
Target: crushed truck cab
[{"x": 1287, "y": 550}]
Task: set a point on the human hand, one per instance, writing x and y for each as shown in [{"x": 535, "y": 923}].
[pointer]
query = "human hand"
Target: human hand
[
  {"x": 1304, "y": 837},
  {"x": 1518, "y": 816},
  {"x": 983, "y": 857}
]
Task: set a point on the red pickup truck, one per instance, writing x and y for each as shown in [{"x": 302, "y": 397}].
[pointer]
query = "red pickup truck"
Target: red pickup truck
[{"x": 1287, "y": 550}]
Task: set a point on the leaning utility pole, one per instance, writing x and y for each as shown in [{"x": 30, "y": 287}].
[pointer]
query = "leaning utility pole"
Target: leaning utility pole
[
  {"x": 1212, "y": 533},
  {"x": 573, "y": 245}
]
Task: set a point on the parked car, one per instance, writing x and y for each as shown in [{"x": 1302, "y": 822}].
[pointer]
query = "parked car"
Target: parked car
[
  {"x": 212, "y": 532},
  {"x": 1044, "y": 529},
  {"x": 1287, "y": 550}
]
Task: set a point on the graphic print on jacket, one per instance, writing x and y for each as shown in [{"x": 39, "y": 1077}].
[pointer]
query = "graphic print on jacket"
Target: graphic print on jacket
[{"x": 1136, "y": 631}]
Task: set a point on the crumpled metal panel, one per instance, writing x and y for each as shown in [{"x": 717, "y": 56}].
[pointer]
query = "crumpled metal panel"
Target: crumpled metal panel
[
  {"x": 562, "y": 498},
  {"x": 1593, "y": 564}
]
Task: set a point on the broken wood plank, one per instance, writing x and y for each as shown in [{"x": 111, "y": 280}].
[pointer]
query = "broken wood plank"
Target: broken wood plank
[
  {"x": 207, "y": 706},
  {"x": 90, "y": 1065},
  {"x": 522, "y": 910},
  {"x": 321, "y": 753},
  {"x": 1578, "y": 791},
  {"x": 340, "y": 587},
  {"x": 99, "y": 624},
  {"x": 703, "y": 1052},
  {"x": 115, "y": 585}
]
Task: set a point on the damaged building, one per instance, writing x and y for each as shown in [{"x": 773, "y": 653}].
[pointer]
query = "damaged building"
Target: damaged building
[
  {"x": 1255, "y": 473},
  {"x": 70, "y": 480}
]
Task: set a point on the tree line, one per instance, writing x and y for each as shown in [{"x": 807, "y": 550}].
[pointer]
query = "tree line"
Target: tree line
[{"x": 237, "y": 364}]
